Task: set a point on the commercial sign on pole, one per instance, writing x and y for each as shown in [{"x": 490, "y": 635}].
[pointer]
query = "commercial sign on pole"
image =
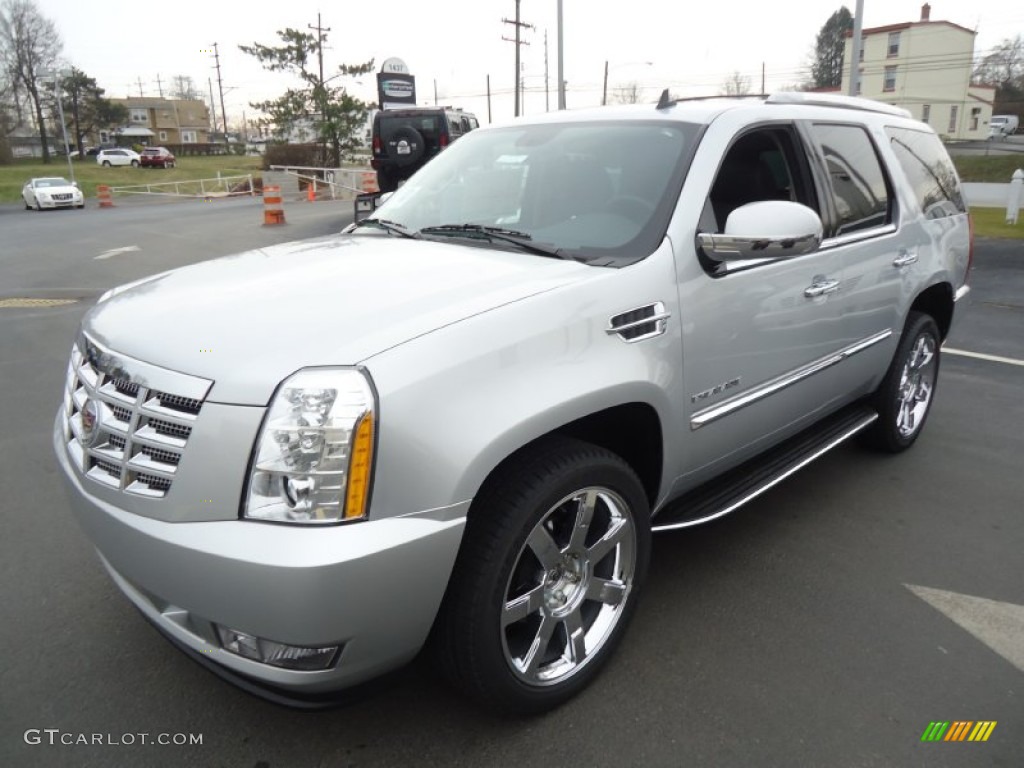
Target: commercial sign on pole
[{"x": 395, "y": 86}]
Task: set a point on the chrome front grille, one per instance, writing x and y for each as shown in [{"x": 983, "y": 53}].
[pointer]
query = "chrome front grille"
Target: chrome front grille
[{"x": 127, "y": 423}]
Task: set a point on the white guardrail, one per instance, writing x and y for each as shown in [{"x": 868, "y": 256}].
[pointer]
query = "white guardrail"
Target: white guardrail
[
  {"x": 221, "y": 186},
  {"x": 340, "y": 183}
]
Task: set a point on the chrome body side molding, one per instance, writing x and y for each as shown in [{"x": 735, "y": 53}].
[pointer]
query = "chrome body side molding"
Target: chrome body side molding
[{"x": 718, "y": 411}]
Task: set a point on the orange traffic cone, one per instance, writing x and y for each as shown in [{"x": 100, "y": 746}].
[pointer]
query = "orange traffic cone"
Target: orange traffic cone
[{"x": 311, "y": 191}]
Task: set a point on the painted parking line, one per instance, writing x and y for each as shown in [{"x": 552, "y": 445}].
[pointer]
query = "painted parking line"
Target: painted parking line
[
  {"x": 998, "y": 625},
  {"x": 980, "y": 356},
  {"x": 117, "y": 252}
]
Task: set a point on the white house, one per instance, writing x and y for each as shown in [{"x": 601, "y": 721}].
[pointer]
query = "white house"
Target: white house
[{"x": 924, "y": 66}]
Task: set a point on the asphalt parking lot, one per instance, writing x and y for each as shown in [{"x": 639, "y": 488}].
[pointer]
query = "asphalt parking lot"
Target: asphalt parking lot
[{"x": 825, "y": 624}]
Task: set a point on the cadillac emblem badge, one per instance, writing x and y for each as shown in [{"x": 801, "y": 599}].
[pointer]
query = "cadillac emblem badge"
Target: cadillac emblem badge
[{"x": 90, "y": 422}]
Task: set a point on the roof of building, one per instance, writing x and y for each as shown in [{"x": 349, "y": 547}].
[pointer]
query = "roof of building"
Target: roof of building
[{"x": 908, "y": 25}]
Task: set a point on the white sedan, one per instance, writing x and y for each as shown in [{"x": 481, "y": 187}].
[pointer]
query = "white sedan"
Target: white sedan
[{"x": 52, "y": 192}]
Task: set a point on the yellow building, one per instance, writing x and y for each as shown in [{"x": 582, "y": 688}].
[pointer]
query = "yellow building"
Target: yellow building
[
  {"x": 924, "y": 66},
  {"x": 158, "y": 121}
]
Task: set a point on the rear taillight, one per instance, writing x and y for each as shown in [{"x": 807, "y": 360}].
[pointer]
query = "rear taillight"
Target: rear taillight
[
  {"x": 443, "y": 140},
  {"x": 376, "y": 145}
]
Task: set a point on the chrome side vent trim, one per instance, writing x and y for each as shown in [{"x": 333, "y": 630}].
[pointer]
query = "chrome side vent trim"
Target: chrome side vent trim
[{"x": 641, "y": 323}]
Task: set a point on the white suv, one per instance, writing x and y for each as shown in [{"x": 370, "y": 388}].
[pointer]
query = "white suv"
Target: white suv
[
  {"x": 118, "y": 156},
  {"x": 462, "y": 418}
]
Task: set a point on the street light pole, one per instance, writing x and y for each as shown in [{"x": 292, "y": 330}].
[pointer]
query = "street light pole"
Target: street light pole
[{"x": 63, "y": 126}]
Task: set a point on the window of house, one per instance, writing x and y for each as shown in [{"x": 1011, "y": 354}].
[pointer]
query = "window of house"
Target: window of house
[
  {"x": 894, "y": 44},
  {"x": 926, "y": 113},
  {"x": 889, "y": 83},
  {"x": 953, "y": 114},
  {"x": 859, "y": 187},
  {"x": 188, "y": 137},
  {"x": 163, "y": 135},
  {"x": 975, "y": 117},
  {"x": 863, "y": 45},
  {"x": 104, "y": 137},
  {"x": 139, "y": 116}
]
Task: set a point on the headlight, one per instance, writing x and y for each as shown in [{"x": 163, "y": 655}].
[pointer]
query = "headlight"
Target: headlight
[{"x": 313, "y": 457}]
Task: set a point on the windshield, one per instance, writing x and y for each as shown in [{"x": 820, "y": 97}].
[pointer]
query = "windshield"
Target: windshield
[
  {"x": 52, "y": 183},
  {"x": 602, "y": 191}
]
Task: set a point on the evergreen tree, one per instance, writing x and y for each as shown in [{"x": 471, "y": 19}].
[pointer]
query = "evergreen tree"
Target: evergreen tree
[{"x": 827, "y": 64}]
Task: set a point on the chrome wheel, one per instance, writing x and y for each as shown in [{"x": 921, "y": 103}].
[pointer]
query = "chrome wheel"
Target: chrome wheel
[
  {"x": 917, "y": 382},
  {"x": 569, "y": 586},
  {"x": 905, "y": 396}
]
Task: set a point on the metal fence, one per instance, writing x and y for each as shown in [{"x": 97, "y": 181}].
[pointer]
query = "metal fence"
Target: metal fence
[{"x": 221, "y": 186}]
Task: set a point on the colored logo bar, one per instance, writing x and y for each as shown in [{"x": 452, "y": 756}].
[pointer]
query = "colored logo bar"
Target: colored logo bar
[{"x": 958, "y": 730}]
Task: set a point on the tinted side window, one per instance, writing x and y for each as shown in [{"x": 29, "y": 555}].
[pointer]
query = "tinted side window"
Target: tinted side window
[
  {"x": 761, "y": 165},
  {"x": 859, "y": 189},
  {"x": 929, "y": 171}
]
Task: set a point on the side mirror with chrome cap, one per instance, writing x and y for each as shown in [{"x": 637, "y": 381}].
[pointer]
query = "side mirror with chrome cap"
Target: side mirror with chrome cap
[{"x": 768, "y": 229}]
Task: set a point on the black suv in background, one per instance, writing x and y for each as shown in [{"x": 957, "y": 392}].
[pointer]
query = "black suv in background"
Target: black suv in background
[{"x": 405, "y": 139}]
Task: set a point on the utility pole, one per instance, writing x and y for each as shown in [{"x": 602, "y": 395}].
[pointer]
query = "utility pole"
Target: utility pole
[
  {"x": 547, "y": 95},
  {"x": 488, "y": 99},
  {"x": 159, "y": 86},
  {"x": 561, "y": 69},
  {"x": 858, "y": 23},
  {"x": 213, "y": 104},
  {"x": 220, "y": 85},
  {"x": 604, "y": 92},
  {"x": 139, "y": 80},
  {"x": 320, "y": 29},
  {"x": 762, "y": 78},
  {"x": 518, "y": 41}
]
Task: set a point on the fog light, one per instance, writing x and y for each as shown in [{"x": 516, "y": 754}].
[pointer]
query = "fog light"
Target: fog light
[{"x": 277, "y": 654}]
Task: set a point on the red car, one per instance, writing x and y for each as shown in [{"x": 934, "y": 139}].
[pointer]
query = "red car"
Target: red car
[{"x": 154, "y": 157}]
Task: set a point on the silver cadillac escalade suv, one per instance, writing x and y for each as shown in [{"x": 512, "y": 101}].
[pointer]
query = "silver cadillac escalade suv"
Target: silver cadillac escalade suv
[{"x": 456, "y": 424}]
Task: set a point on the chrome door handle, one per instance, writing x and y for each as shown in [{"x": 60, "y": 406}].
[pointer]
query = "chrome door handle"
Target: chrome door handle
[
  {"x": 820, "y": 287},
  {"x": 905, "y": 259}
]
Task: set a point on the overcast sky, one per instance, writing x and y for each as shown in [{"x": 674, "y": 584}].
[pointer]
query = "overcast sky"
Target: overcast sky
[{"x": 692, "y": 47}]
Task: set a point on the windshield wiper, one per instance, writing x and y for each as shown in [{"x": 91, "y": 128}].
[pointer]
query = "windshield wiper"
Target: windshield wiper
[
  {"x": 497, "y": 234},
  {"x": 389, "y": 226}
]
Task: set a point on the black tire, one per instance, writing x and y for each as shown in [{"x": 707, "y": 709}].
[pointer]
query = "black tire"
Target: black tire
[
  {"x": 413, "y": 142},
  {"x": 106, "y": 163},
  {"x": 528, "y": 569},
  {"x": 135, "y": 163},
  {"x": 905, "y": 396}
]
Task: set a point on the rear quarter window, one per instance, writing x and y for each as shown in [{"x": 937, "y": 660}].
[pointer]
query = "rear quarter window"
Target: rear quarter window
[{"x": 929, "y": 170}]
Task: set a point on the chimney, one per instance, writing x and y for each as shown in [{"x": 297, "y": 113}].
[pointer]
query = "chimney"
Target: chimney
[{"x": 926, "y": 12}]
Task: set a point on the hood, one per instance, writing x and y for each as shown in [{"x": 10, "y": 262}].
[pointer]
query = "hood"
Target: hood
[{"x": 248, "y": 321}]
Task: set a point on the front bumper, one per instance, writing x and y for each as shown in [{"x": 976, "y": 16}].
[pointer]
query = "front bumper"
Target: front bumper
[
  {"x": 59, "y": 203},
  {"x": 373, "y": 587}
]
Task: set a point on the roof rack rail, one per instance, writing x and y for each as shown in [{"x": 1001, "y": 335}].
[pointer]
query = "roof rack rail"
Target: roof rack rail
[
  {"x": 836, "y": 100},
  {"x": 667, "y": 101}
]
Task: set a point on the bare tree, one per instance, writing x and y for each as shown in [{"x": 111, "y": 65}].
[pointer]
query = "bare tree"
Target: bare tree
[
  {"x": 736, "y": 84},
  {"x": 183, "y": 87},
  {"x": 1004, "y": 66},
  {"x": 29, "y": 46},
  {"x": 630, "y": 93}
]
